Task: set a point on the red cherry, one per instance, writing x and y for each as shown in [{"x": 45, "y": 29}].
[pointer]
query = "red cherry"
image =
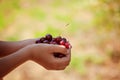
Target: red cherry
[
  {"x": 67, "y": 45},
  {"x": 58, "y": 39},
  {"x": 62, "y": 42}
]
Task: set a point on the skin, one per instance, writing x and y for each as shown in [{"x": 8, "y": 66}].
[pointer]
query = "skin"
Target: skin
[
  {"x": 13, "y": 54},
  {"x": 8, "y": 47}
]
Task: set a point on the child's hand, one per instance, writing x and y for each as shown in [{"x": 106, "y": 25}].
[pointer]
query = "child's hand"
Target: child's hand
[
  {"x": 13, "y": 54},
  {"x": 43, "y": 54}
]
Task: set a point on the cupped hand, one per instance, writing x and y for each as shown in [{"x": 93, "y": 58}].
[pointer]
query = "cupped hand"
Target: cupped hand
[{"x": 43, "y": 54}]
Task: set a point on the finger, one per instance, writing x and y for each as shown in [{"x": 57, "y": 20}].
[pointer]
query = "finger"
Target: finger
[
  {"x": 59, "y": 49},
  {"x": 64, "y": 60},
  {"x": 68, "y": 51}
]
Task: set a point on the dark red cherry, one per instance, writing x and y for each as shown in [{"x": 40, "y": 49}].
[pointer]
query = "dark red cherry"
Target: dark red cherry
[
  {"x": 38, "y": 41},
  {"x": 46, "y": 41},
  {"x": 64, "y": 39},
  {"x": 58, "y": 39},
  {"x": 42, "y": 39},
  {"x": 48, "y": 37},
  {"x": 53, "y": 42}
]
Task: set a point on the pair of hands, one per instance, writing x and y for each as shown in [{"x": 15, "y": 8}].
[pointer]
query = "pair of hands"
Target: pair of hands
[
  {"x": 13, "y": 54},
  {"x": 43, "y": 54}
]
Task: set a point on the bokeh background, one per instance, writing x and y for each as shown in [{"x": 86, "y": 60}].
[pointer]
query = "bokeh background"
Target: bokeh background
[{"x": 92, "y": 27}]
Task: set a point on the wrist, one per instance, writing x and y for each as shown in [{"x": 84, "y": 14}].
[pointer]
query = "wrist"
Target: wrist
[
  {"x": 28, "y": 46},
  {"x": 28, "y": 52}
]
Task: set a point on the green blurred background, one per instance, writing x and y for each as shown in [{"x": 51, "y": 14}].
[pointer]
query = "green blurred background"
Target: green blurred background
[{"x": 92, "y": 27}]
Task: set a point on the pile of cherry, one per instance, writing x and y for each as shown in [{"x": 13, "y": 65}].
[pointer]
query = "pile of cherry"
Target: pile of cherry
[{"x": 49, "y": 39}]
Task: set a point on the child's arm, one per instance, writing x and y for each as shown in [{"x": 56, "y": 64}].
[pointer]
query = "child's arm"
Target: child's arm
[
  {"x": 7, "y": 47},
  {"x": 10, "y": 62},
  {"x": 1, "y": 79},
  {"x": 40, "y": 53}
]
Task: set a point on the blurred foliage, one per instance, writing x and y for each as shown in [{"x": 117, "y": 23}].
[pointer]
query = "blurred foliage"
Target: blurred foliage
[
  {"x": 42, "y": 17},
  {"x": 50, "y": 29},
  {"x": 108, "y": 14},
  {"x": 79, "y": 62},
  {"x": 7, "y": 13},
  {"x": 38, "y": 14}
]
